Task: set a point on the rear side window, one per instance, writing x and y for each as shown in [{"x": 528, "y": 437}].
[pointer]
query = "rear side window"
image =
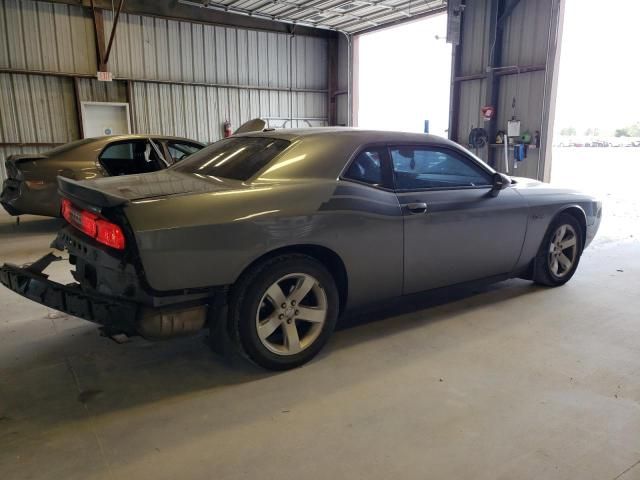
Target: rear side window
[
  {"x": 366, "y": 167},
  {"x": 121, "y": 151},
  {"x": 127, "y": 158},
  {"x": 238, "y": 158}
]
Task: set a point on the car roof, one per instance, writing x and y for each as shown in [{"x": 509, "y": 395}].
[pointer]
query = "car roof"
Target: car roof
[
  {"x": 323, "y": 152},
  {"x": 141, "y": 136},
  {"x": 362, "y": 135}
]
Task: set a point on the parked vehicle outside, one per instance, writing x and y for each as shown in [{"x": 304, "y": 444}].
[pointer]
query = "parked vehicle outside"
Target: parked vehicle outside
[
  {"x": 31, "y": 186},
  {"x": 266, "y": 238}
]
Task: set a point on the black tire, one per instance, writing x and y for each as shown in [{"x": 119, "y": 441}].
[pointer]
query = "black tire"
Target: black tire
[
  {"x": 247, "y": 297},
  {"x": 543, "y": 273}
]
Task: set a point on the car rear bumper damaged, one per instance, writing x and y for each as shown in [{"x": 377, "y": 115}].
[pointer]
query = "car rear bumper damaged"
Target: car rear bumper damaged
[{"x": 115, "y": 314}]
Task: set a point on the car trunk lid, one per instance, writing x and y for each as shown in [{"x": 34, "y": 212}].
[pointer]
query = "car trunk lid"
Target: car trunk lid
[
  {"x": 116, "y": 191},
  {"x": 16, "y": 163}
]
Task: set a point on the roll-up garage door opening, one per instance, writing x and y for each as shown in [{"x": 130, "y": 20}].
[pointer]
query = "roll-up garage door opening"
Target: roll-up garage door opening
[
  {"x": 403, "y": 77},
  {"x": 596, "y": 143}
]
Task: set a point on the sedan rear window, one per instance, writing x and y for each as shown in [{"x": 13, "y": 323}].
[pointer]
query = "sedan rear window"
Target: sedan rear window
[{"x": 237, "y": 158}]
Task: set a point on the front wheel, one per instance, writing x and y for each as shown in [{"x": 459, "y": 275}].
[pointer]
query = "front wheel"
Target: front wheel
[
  {"x": 283, "y": 311},
  {"x": 560, "y": 252}
]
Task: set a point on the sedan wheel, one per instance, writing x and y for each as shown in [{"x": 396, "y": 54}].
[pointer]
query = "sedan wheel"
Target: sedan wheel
[
  {"x": 559, "y": 254},
  {"x": 291, "y": 314},
  {"x": 283, "y": 310},
  {"x": 563, "y": 250}
]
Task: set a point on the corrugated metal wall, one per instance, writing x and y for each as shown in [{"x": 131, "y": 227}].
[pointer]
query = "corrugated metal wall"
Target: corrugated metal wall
[
  {"x": 90, "y": 90},
  {"x": 200, "y": 111},
  {"x": 46, "y": 36},
  {"x": 525, "y": 43},
  {"x": 187, "y": 78},
  {"x": 35, "y": 109},
  {"x": 172, "y": 50},
  {"x": 265, "y": 71}
]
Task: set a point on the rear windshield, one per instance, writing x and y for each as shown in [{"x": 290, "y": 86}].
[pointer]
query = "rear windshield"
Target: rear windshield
[{"x": 238, "y": 158}]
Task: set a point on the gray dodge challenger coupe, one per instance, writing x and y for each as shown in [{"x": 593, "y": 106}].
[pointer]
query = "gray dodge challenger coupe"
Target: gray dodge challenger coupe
[
  {"x": 31, "y": 186},
  {"x": 266, "y": 238}
]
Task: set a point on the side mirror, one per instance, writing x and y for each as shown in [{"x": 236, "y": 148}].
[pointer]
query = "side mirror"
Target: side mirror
[{"x": 499, "y": 182}]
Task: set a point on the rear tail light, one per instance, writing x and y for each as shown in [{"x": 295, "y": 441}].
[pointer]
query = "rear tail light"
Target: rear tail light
[{"x": 91, "y": 224}]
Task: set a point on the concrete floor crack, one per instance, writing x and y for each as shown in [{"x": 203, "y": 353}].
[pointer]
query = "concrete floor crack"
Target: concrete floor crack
[{"x": 627, "y": 470}]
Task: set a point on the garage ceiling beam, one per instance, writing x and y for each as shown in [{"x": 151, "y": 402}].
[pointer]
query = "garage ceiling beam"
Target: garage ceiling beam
[
  {"x": 199, "y": 14},
  {"x": 24, "y": 71},
  {"x": 403, "y": 20}
]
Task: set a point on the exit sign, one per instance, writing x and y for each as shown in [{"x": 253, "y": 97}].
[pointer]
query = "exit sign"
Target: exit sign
[{"x": 105, "y": 76}]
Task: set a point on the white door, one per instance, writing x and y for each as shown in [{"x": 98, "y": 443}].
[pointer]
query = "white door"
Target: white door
[{"x": 105, "y": 118}]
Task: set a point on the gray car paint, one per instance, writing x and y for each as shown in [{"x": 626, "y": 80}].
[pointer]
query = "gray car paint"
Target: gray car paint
[{"x": 197, "y": 231}]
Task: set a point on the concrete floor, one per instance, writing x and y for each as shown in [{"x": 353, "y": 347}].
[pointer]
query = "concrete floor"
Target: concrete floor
[{"x": 510, "y": 381}]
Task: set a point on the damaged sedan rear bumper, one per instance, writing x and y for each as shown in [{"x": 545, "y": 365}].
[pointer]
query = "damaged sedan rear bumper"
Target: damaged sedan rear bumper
[{"x": 117, "y": 315}]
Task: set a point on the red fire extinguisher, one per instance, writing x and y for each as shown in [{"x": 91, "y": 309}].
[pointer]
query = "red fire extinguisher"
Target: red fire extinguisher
[{"x": 227, "y": 128}]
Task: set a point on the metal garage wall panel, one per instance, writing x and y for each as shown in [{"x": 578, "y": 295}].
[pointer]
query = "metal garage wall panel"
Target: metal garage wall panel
[
  {"x": 475, "y": 54},
  {"x": 528, "y": 90},
  {"x": 198, "y": 112},
  {"x": 90, "y": 90},
  {"x": 310, "y": 62},
  {"x": 36, "y": 108},
  {"x": 472, "y": 95},
  {"x": 526, "y": 33},
  {"x": 342, "y": 101},
  {"x": 46, "y": 36},
  {"x": 199, "y": 60},
  {"x": 161, "y": 49}
]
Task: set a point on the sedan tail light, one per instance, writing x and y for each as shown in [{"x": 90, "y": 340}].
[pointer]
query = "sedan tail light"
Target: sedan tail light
[{"x": 94, "y": 226}]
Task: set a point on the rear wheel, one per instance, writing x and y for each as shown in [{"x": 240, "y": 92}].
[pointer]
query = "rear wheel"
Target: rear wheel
[
  {"x": 560, "y": 252},
  {"x": 283, "y": 311}
]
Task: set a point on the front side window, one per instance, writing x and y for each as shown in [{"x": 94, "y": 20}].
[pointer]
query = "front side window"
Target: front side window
[
  {"x": 181, "y": 150},
  {"x": 237, "y": 158},
  {"x": 417, "y": 168},
  {"x": 366, "y": 167}
]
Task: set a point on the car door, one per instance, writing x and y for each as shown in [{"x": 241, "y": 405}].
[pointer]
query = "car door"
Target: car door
[
  {"x": 368, "y": 227},
  {"x": 455, "y": 230}
]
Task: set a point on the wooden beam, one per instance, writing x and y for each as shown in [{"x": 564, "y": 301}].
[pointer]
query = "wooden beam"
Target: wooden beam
[{"x": 98, "y": 24}]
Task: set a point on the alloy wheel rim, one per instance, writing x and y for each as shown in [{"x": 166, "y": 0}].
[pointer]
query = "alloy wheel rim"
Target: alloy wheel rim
[
  {"x": 291, "y": 314},
  {"x": 563, "y": 250}
]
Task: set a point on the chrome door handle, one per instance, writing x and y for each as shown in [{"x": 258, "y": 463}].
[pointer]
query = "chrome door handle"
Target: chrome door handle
[{"x": 417, "y": 207}]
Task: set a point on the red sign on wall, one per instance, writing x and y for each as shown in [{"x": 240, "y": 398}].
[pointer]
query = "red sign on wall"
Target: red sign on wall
[{"x": 105, "y": 76}]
